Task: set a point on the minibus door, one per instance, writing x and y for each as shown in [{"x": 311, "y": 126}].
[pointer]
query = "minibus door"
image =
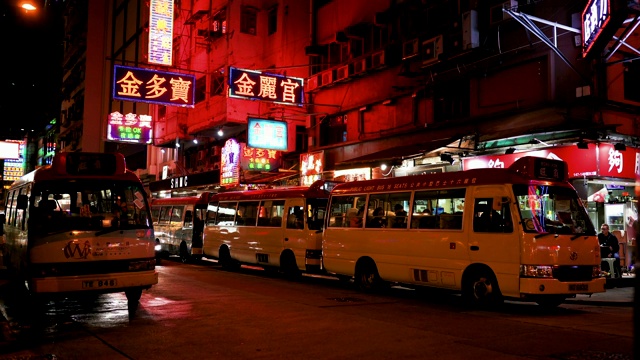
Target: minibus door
[{"x": 492, "y": 240}]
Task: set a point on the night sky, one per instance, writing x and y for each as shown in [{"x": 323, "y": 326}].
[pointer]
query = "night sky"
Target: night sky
[{"x": 30, "y": 59}]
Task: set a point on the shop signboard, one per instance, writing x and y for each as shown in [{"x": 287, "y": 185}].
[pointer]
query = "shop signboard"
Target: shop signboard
[
  {"x": 257, "y": 85},
  {"x": 267, "y": 134},
  {"x": 160, "y": 32},
  {"x": 229, "y": 163},
  {"x": 255, "y": 159},
  {"x": 581, "y": 162},
  {"x": 311, "y": 167},
  {"x": 130, "y": 128},
  {"x": 153, "y": 86},
  {"x": 618, "y": 163}
]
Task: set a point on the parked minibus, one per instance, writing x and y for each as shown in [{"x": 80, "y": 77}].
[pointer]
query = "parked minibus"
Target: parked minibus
[
  {"x": 178, "y": 224},
  {"x": 80, "y": 225},
  {"x": 273, "y": 228},
  {"x": 520, "y": 232}
]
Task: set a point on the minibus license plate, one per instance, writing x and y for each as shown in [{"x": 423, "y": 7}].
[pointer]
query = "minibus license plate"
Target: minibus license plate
[
  {"x": 578, "y": 287},
  {"x": 99, "y": 284}
]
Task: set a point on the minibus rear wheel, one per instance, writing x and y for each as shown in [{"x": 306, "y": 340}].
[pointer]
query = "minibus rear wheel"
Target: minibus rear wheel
[{"x": 367, "y": 278}]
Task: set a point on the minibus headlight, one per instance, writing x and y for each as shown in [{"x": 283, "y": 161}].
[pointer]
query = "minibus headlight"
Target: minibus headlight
[{"x": 543, "y": 271}]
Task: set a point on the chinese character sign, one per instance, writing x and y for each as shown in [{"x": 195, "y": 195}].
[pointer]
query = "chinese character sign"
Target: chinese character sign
[
  {"x": 153, "y": 86},
  {"x": 230, "y": 158},
  {"x": 130, "y": 128},
  {"x": 253, "y": 159},
  {"x": 13, "y": 168},
  {"x": 594, "y": 17},
  {"x": 160, "y": 32},
  {"x": 267, "y": 134},
  {"x": 257, "y": 85},
  {"x": 311, "y": 167}
]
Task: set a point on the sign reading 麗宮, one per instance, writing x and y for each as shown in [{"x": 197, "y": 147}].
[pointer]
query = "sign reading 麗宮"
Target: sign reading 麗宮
[
  {"x": 256, "y": 85},
  {"x": 153, "y": 86}
]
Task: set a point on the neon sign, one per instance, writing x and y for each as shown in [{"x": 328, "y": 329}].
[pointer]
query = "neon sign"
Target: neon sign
[
  {"x": 229, "y": 170},
  {"x": 130, "y": 128},
  {"x": 259, "y": 159},
  {"x": 153, "y": 86},
  {"x": 311, "y": 167},
  {"x": 161, "y": 32},
  {"x": 595, "y": 17},
  {"x": 256, "y": 85},
  {"x": 267, "y": 134}
]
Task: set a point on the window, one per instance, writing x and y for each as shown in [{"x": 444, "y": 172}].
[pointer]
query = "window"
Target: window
[
  {"x": 247, "y": 213},
  {"x": 201, "y": 88},
  {"x": 212, "y": 212},
  {"x": 389, "y": 210},
  {"x": 301, "y": 139},
  {"x": 487, "y": 219},
  {"x": 438, "y": 209},
  {"x": 248, "y": 20},
  {"x": 270, "y": 213},
  {"x": 295, "y": 218},
  {"x": 344, "y": 209},
  {"x": 176, "y": 214},
  {"x": 226, "y": 213},
  {"x": 272, "y": 25},
  {"x": 165, "y": 213},
  {"x": 631, "y": 79},
  {"x": 216, "y": 84}
]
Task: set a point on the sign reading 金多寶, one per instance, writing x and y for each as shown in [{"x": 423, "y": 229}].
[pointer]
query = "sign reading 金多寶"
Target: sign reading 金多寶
[
  {"x": 160, "y": 32},
  {"x": 153, "y": 86},
  {"x": 253, "y": 159},
  {"x": 267, "y": 134},
  {"x": 130, "y": 128},
  {"x": 256, "y": 85}
]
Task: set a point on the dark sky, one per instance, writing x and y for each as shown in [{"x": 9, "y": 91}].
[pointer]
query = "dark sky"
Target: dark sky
[{"x": 30, "y": 60}]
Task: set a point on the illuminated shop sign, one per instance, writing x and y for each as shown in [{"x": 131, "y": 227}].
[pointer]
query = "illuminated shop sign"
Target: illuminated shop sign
[
  {"x": 598, "y": 160},
  {"x": 230, "y": 158},
  {"x": 153, "y": 86},
  {"x": 256, "y": 85},
  {"x": 594, "y": 18},
  {"x": 267, "y": 134},
  {"x": 130, "y": 128},
  {"x": 259, "y": 159},
  {"x": 160, "y": 32},
  {"x": 311, "y": 167},
  {"x": 13, "y": 168},
  {"x": 358, "y": 174}
]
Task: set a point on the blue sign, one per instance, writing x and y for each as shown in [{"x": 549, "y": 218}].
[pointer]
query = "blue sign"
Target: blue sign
[
  {"x": 153, "y": 86},
  {"x": 267, "y": 134}
]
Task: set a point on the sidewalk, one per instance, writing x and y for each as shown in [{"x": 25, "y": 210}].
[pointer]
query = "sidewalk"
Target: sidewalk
[{"x": 619, "y": 292}]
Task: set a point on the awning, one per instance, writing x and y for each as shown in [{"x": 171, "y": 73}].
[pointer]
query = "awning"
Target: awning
[{"x": 394, "y": 155}]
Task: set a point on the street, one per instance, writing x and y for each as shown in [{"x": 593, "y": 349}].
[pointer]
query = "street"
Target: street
[{"x": 199, "y": 311}]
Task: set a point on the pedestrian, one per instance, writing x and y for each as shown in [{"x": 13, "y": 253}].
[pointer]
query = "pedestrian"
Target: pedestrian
[{"x": 609, "y": 247}]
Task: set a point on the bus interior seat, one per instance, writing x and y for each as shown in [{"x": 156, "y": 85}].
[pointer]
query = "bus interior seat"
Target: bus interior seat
[{"x": 47, "y": 205}]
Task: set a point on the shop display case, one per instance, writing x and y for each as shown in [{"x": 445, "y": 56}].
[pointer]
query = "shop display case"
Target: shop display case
[{"x": 614, "y": 216}]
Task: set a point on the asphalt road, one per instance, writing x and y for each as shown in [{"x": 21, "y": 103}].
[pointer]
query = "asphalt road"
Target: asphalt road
[{"x": 203, "y": 312}]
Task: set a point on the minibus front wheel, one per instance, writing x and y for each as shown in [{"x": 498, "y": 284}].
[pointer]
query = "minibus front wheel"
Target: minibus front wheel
[{"x": 480, "y": 287}]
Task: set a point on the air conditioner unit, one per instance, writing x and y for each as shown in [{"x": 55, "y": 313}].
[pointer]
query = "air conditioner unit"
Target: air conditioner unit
[
  {"x": 431, "y": 49},
  {"x": 378, "y": 59},
  {"x": 312, "y": 83},
  {"x": 342, "y": 73},
  {"x": 470, "y": 34},
  {"x": 326, "y": 77},
  {"x": 410, "y": 49},
  {"x": 360, "y": 66}
]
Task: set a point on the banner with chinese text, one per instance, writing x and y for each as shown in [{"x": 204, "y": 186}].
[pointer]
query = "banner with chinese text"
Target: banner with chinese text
[{"x": 153, "y": 86}]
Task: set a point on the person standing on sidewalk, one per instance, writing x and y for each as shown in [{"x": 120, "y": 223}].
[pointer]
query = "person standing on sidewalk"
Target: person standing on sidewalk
[{"x": 609, "y": 247}]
